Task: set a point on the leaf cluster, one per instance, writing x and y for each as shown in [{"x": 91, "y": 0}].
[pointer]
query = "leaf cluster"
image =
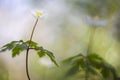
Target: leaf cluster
[
  {"x": 18, "y": 46},
  {"x": 91, "y": 63}
]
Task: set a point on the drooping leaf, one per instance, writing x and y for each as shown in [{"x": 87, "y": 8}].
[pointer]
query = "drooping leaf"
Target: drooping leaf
[
  {"x": 95, "y": 64},
  {"x": 8, "y": 46},
  {"x": 108, "y": 68},
  {"x": 99, "y": 63},
  {"x": 41, "y": 53},
  {"x": 51, "y": 56},
  {"x": 72, "y": 59},
  {"x": 73, "y": 70},
  {"x": 105, "y": 73},
  {"x": 77, "y": 63}
]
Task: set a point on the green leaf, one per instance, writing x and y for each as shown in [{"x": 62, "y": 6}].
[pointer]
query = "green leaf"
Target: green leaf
[
  {"x": 94, "y": 56},
  {"x": 82, "y": 63},
  {"x": 32, "y": 44},
  {"x": 17, "y": 49},
  {"x": 8, "y": 46},
  {"x": 105, "y": 73},
  {"x": 77, "y": 62},
  {"x": 92, "y": 63},
  {"x": 95, "y": 64},
  {"x": 95, "y": 61},
  {"x": 109, "y": 69},
  {"x": 98, "y": 63},
  {"x": 40, "y": 53},
  {"x": 72, "y": 59},
  {"x": 73, "y": 70},
  {"x": 51, "y": 56}
]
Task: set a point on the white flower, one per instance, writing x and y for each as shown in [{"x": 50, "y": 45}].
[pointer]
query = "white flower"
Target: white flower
[
  {"x": 96, "y": 21},
  {"x": 37, "y": 13}
]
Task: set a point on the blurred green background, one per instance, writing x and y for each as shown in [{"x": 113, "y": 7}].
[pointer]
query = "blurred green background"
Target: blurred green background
[{"x": 64, "y": 29}]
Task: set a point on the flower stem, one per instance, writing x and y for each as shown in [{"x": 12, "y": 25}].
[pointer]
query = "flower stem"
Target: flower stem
[
  {"x": 90, "y": 40},
  {"x": 88, "y": 51},
  {"x": 31, "y": 36}
]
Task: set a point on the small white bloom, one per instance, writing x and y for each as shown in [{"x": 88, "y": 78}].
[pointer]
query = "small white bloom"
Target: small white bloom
[
  {"x": 37, "y": 13},
  {"x": 96, "y": 21}
]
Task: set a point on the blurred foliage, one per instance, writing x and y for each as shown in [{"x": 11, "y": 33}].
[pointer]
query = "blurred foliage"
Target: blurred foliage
[{"x": 90, "y": 64}]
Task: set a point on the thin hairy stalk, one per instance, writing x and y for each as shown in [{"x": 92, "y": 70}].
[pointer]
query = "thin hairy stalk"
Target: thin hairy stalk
[{"x": 31, "y": 36}]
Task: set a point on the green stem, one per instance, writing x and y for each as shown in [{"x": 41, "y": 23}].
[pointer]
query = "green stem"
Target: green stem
[
  {"x": 86, "y": 69},
  {"x": 91, "y": 39},
  {"x": 27, "y": 69},
  {"x": 88, "y": 51}
]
